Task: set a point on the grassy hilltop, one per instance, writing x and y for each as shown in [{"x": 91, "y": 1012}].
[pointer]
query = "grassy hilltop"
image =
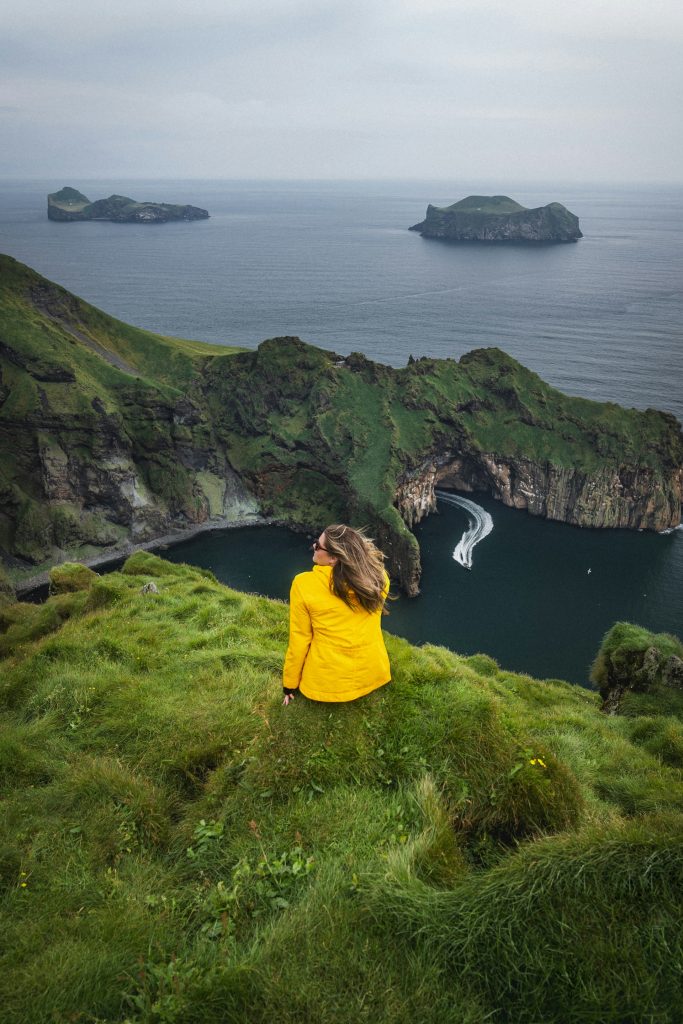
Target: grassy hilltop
[
  {"x": 110, "y": 434},
  {"x": 463, "y": 845}
]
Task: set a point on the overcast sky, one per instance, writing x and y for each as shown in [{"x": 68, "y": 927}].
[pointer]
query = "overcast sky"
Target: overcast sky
[{"x": 577, "y": 90}]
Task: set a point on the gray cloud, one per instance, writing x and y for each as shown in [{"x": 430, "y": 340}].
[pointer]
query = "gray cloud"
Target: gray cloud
[{"x": 306, "y": 88}]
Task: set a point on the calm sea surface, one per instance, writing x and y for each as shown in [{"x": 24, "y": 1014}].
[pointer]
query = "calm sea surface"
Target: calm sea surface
[{"x": 333, "y": 263}]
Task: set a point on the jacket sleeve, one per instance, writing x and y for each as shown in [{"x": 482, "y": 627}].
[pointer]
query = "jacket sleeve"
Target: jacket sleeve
[{"x": 300, "y": 636}]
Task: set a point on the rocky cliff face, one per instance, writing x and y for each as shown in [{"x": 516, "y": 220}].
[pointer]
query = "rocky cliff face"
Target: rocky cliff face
[
  {"x": 104, "y": 480},
  {"x": 415, "y": 496},
  {"x": 551, "y": 223},
  {"x": 609, "y": 498}
]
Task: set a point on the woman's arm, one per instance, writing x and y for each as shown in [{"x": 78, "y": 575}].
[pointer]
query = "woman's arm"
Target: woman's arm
[{"x": 300, "y": 636}]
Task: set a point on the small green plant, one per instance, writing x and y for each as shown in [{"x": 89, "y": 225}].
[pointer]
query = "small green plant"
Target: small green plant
[
  {"x": 255, "y": 889},
  {"x": 160, "y": 996},
  {"x": 206, "y": 835},
  {"x": 400, "y": 823}
]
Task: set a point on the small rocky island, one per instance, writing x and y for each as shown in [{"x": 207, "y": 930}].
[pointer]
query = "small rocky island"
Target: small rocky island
[
  {"x": 70, "y": 204},
  {"x": 499, "y": 219}
]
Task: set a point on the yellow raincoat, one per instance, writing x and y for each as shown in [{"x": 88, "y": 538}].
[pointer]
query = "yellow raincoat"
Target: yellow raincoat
[{"x": 335, "y": 653}]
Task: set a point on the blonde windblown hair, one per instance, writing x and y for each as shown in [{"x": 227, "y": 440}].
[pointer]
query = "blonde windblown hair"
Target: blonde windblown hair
[{"x": 358, "y": 577}]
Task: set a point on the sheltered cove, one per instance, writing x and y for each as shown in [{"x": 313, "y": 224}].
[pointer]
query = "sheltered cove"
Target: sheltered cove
[{"x": 185, "y": 434}]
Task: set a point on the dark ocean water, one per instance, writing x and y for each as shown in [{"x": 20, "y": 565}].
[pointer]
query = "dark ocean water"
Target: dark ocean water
[
  {"x": 529, "y": 600},
  {"x": 333, "y": 263}
]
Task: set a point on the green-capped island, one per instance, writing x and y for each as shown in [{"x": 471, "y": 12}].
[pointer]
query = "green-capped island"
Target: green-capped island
[
  {"x": 69, "y": 204},
  {"x": 499, "y": 219}
]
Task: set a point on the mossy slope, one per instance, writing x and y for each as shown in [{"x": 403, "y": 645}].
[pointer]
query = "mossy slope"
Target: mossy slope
[{"x": 465, "y": 844}]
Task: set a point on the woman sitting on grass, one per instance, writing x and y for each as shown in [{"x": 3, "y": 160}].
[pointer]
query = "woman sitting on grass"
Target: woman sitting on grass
[{"x": 336, "y": 651}]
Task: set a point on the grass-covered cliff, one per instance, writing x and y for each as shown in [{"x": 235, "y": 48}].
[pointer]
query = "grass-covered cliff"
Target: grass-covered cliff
[
  {"x": 464, "y": 845},
  {"x": 110, "y": 434},
  {"x": 98, "y": 442}
]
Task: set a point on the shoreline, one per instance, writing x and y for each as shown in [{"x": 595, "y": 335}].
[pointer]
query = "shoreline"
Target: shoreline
[{"x": 42, "y": 579}]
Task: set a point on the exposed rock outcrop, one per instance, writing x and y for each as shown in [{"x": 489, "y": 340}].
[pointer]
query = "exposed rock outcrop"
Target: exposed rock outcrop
[
  {"x": 609, "y": 498},
  {"x": 415, "y": 496},
  {"x": 106, "y": 479},
  {"x": 632, "y": 663}
]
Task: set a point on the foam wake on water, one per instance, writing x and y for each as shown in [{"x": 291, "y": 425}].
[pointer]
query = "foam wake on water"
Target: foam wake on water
[{"x": 479, "y": 526}]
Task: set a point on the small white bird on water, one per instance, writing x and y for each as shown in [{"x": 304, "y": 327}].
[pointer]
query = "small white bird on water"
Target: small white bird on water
[{"x": 589, "y": 572}]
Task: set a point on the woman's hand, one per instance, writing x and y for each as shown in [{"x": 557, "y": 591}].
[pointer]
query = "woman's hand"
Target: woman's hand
[{"x": 287, "y": 699}]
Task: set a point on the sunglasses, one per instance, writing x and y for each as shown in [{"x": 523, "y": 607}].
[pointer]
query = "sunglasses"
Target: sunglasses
[{"x": 317, "y": 546}]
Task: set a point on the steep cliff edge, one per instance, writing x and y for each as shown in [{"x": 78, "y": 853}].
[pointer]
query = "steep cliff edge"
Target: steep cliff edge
[
  {"x": 110, "y": 434},
  {"x": 499, "y": 219}
]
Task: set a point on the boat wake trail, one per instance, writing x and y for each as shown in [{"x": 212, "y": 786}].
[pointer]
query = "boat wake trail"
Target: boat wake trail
[{"x": 479, "y": 526}]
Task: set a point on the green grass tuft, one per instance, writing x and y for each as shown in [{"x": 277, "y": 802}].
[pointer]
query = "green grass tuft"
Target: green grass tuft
[{"x": 69, "y": 577}]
